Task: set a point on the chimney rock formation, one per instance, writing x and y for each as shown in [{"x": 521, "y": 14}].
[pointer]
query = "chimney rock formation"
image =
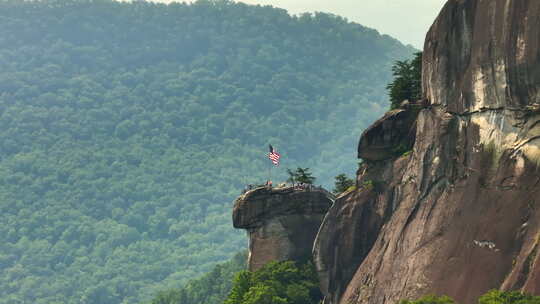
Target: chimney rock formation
[{"x": 282, "y": 222}]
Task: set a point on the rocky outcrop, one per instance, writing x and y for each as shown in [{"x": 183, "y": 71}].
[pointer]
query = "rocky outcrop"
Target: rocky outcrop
[
  {"x": 393, "y": 134},
  {"x": 351, "y": 227},
  {"x": 460, "y": 214},
  {"x": 281, "y": 223}
]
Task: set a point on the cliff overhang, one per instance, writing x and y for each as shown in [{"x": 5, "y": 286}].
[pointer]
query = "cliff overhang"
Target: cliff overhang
[{"x": 281, "y": 222}]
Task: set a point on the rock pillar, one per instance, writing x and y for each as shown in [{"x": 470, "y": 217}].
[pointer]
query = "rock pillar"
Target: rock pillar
[{"x": 281, "y": 223}]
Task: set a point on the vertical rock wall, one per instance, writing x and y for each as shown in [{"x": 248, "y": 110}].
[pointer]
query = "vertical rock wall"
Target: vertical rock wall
[{"x": 460, "y": 213}]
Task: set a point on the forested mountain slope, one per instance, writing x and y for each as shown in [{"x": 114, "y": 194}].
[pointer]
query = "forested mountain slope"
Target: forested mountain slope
[
  {"x": 126, "y": 130},
  {"x": 211, "y": 288}
]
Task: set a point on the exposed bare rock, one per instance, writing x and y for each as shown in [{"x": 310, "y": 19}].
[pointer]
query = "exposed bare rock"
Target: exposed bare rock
[
  {"x": 388, "y": 136},
  {"x": 352, "y": 226},
  {"x": 282, "y": 223},
  {"x": 459, "y": 215},
  {"x": 483, "y": 54}
]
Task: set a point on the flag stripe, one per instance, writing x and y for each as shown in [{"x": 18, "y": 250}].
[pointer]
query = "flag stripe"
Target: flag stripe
[{"x": 274, "y": 156}]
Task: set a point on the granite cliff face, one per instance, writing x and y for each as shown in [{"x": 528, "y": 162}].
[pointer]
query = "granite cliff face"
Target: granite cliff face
[
  {"x": 282, "y": 223},
  {"x": 460, "y": 213}
]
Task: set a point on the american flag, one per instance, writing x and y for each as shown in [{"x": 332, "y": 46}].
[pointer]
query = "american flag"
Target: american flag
[{"x": 273, "y": 155}]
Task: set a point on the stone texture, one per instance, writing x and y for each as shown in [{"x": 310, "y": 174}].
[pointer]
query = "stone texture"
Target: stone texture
[
  {"x": 483, "y": 54},
  {"x": 352, "y": 225},
  {"x": 388, "y": 136},
  {"x": 281, "y": 223},
  {"x": 461, "y": 214}
]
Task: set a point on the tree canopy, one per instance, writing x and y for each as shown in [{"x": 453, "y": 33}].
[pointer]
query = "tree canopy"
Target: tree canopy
[
  {"x": 301, "y": 175},
  {"x": 407, "y": 82},
  {"x": 275, "y": 283},
  {"x": 508, "y": 297},
  {"x": 128, "y": 128},
  {"x": 342, "y": 183}
]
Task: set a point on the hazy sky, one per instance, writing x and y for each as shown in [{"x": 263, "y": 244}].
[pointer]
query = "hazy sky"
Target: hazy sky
[{"x": 406, "y": 20}]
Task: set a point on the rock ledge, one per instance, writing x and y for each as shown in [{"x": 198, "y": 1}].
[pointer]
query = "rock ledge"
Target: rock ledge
[{"x": 281, "y": 223}]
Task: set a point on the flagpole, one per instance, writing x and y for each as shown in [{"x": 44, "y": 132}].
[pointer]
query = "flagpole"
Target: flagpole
[
  {"x": 270, "y": 167},
  {"x": 270, "y": 172}
]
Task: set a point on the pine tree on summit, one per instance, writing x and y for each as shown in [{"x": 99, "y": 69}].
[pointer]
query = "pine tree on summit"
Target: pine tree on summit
[
  {"x": 301, "y": 175},
  {"x": 407, "y": 83}
]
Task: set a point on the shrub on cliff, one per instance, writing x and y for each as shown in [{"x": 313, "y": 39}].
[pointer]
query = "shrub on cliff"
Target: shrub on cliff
[
  {"x": 508, "y": 297},
  {"x": 407, "y": 83},
  {"x": 342, "y": 183},
  {"x": 492, "y": 297},
  {"x": 277, "y": 282},
  {"x": 430, "y": 299}
]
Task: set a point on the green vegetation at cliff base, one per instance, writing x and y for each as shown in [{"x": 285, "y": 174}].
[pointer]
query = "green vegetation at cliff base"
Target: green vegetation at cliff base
[
  {"x": 211, "y": 288},
  {"x": 492, "y": 297},
  {"x": 277, "y": 283}
]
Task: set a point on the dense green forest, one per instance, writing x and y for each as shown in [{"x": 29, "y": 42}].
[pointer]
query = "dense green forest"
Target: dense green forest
[
  {"x": 212, "y": 288},
  {"x": 127, "y": 129}
]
